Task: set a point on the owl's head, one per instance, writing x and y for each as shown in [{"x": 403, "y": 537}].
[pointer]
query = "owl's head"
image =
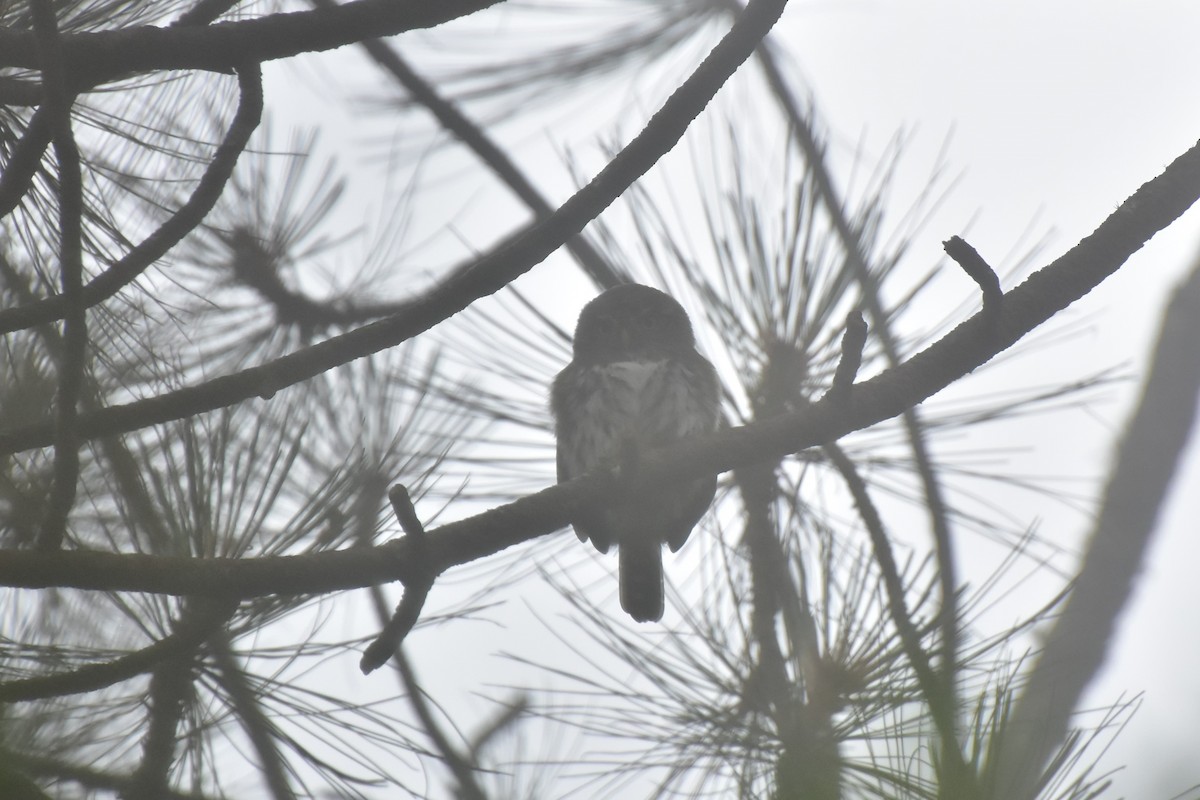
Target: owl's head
[{"x": 632, "y": 322}]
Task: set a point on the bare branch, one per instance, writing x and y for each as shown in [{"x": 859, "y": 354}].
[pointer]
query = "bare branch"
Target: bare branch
[
  {"x": 70, "y": 257},
  {"x": 388, "y": 642},
  {"x": 977, "y": 269},
  {"x": 853, "y": 341}
]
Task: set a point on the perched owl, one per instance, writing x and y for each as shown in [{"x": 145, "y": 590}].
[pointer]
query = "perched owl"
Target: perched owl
[{"x": 635, "y": 383}]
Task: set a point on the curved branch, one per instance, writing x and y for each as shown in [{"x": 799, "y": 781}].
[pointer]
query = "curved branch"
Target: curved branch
[
  {"x": 70, "y": 366},
  {"x": 182, "y": 222},
  {"x": 487, "y": 276}
]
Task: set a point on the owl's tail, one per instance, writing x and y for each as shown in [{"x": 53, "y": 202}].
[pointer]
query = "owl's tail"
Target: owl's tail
[{"x": 641, "y": 571}]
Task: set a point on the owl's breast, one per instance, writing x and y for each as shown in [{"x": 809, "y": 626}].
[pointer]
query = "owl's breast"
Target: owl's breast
[{"x": 648, "y": 403}]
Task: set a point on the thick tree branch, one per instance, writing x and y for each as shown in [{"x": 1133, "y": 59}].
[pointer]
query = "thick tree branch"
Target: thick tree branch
[
  {"x": 92, "y": 58},
  {"x": 489, "y": 275}
]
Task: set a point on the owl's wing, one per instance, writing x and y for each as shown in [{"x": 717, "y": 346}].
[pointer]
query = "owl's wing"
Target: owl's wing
[
  {"x": 589, "y": 522},
  {"x": 695, "y": 500}
]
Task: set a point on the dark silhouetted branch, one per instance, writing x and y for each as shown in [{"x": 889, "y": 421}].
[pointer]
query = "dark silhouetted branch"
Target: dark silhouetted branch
[
  {"x": 70, "y": 364},
  {"x": 979, "y": 270},
  {"x": 853, "y": 341},
  {"x": 415, "y": 590}
]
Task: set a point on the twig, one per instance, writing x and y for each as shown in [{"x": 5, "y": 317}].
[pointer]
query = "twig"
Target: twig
[
  {"x": 853, "y": 341},
  {"x": 182, "y": 222},
  {"x": 416, "y": 589},
  {"x": 977, "y": 269},
  {"x": 489, "y": 275},
  {"x": 70, "y": 214}
]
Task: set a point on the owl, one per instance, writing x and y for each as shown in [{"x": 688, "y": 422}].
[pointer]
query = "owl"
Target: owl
[{"x": 635, "y": 382}]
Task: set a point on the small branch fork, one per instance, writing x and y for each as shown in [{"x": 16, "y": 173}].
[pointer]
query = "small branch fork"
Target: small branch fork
[
  {"x": 416, "y": 589},
  {"x": 978, "y": 270}
]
